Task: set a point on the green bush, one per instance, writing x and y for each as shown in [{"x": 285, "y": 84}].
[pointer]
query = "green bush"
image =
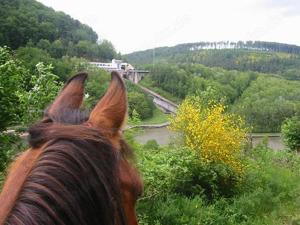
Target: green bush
[
  {"x": 291, "y": 133},
  {"x": 13, "y": 80},
  {"x": 45, "y": 86},
  {"x": 178, "y": 170},
  {"x": 23, "y": 95},
  {"x": 180, "y": 190},
  {"x": 141, "y": 103},
  {"x": 96, "y": 86},
  {"x": 151, "y": 144}
]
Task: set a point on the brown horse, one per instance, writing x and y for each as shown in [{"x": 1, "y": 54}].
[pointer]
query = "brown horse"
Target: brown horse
[{"x": 77, "y": 170}]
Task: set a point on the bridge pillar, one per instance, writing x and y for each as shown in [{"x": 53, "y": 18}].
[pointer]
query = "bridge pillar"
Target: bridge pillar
[{"x": 135, "y": 76}]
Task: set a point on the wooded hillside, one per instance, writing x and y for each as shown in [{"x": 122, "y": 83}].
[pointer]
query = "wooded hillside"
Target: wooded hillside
[
  {"x": 30, "y": 23},
  {"x": 266, "y": 57}
]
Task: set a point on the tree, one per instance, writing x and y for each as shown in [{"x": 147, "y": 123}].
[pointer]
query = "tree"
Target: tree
[
  {"x": 57, "y": 49},
  {"x": 106, "y": 50},
  {"x": 291, "y": 133},
  {"x": 31, "y": 56},
  {"x": 44, "y": 44},
  {"x": 141, "y": 104},
  {"x": 24, "y": 20}
]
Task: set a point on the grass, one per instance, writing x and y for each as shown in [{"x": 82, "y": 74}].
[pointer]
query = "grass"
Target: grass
[{"x": 157, "y": 118}]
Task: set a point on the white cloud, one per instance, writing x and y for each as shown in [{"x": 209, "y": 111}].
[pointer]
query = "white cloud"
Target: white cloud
[{"x": 137, "y": 24}]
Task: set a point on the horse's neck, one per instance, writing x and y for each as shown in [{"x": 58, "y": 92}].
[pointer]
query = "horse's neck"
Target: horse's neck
[{"x": 18, "y": 173}]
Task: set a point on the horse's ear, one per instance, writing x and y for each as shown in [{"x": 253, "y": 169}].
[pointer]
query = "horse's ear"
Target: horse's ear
[
  {"x": 71, "y": 95},
  {"x": 110, "y": 111}
]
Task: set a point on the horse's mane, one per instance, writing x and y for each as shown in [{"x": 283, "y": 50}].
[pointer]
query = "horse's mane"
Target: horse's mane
[{"x": 75, "y": 180}]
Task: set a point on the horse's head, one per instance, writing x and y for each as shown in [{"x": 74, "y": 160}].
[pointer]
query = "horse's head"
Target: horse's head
[
  {"x": 105, "y": 121},
  {"x": 109, "y": 116}
]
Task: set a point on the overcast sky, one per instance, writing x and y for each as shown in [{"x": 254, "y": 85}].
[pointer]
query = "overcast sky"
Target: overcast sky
[{"x": 133, "y": 25}]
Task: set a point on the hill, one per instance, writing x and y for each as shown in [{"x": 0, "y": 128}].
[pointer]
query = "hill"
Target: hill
[
  {"x": 25, "y": 20},
  {"x": 266, "y": 57},
  {"x": 30, "y": 23}
]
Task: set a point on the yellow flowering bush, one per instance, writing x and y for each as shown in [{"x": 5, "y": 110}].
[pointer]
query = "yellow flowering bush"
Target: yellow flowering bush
[{"x": 216, "y": 136}]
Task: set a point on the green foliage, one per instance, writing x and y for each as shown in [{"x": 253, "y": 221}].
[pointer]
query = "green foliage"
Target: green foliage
[
  {"x": 48, "y": 34},
  {"x": 151, "y": 144},
  {"x": 291, "y": 133},
  {"x": 134, "y": 119},
  {"x": 140, "y": 106},
  {"x": 68, "y": 66},
  {"x": 13, "y": 81},
  {"x": 28, "y": 20},
  {"x": 183, "y": 80},
  {"x": 268, "y": 102},
  {"x": 264, "y": 100},
  {"x": 31, "y": 56},
  {"x": 266, "y": 57},
  {"x": 157, "y": 118},
  {"x": 163, "y": 169},
  {"x": 180, "y": 171},
  {"x": 24, "y": 95},
  {"x": 96, "y": 86},
  {"x": 140, "y": 103},
  {"x": 45, "y": 86},
  {"x": 176, "y": 188},
  {"x": 65, "y": 67},
  {"x": 106, "y": 50}
]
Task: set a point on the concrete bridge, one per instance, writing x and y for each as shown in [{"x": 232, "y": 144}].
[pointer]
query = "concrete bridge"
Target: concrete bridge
[
  {"x": 161, "y": 102},
  {"x": 134, "y": 76}
]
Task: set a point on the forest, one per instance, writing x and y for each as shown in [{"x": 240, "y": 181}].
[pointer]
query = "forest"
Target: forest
[
  {"x": 279, "y": 58},
  {"x": 257, "y": 80},
  {"x": 210, "y": 174},
  {"x": 31, "y": 25},
  {"x": 264, "y": 100}
]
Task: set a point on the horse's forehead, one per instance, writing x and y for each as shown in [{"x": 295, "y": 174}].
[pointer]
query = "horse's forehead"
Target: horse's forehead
[{"x": 17, "y": 175}]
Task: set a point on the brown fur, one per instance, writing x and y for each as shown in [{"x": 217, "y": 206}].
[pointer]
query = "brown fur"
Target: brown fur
[{"x": 19, "y": 171}]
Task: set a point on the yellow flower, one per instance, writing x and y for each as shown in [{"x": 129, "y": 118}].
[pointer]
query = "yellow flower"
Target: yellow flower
[{"x": 215, "y": 135}]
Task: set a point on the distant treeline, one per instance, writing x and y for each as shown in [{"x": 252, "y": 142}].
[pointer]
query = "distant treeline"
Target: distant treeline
[
  {"x": 266, "y": 57},
  {"x": 256, "y": 45},
  {"x": 30, "y": 23}
]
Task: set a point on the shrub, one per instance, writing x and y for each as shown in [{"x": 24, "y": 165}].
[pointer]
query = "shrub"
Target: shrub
[
  {"x": 45, "y": 86},
  {"x": 291, "y": 133},
  {"x": 269, "y": 193},
  {"x": 141, "y": 103},
  {"x": 13, "y": 80},
  {"x": 134, "y": 118},
  {"x": 96, "y": 86},
  {"x": 178, "y": 170},
  {"x": 23, "y": 96},
  {"x": 151, "y": 144},
  {"x": 215, "y": 136}
]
